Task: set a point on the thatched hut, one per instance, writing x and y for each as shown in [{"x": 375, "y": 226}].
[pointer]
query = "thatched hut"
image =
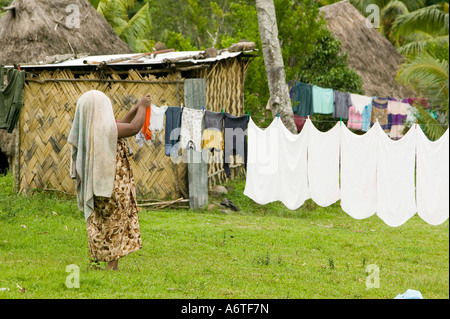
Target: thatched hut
[
  {"x": 40, "y": 31},
  {"x": 370, "y": 54},
  {"x": 34, "y": 31}
]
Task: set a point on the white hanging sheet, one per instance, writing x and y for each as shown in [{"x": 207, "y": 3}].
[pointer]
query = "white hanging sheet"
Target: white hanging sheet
[
  {"x": 377, "y": 174},
  {"x": 432, "y": 178},
  {"x": 323, "y": 164},
  {"x": 359, "y": 172},
  {"x": 262, "y": 163},
  {"x": 396, "y": 201},
  {"x": 293, "y": 166}
]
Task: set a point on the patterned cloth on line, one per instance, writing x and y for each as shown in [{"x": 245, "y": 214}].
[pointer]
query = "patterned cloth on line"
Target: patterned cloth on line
[
  {"x": 354, "y": 119},
  {"x": 380, "y": 112},
  {"x": 191, "y": 129}
]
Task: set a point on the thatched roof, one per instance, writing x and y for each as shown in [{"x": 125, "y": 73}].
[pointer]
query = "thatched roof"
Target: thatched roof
[
  {"x": 35, "y": 30},
  {"x": 370, "y": 54}
]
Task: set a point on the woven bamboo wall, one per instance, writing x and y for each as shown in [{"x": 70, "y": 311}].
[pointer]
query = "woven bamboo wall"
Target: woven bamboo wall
[
  {"x": 49, "y": 108},
  {"x": 46, "y": 120}
]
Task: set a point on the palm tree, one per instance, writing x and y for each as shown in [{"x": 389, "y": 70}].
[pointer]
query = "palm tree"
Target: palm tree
[
  {"x": 415, "y": 30},
  {"x": 389, "y": 11},
  {"x": 429, "y": 77},
  {"x": 135, "y": 28}
]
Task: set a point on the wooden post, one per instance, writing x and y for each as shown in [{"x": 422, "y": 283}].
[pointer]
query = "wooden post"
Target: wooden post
[{"x": 195, "y": 98}]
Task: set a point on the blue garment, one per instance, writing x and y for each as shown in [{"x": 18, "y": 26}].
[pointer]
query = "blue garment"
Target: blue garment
[
  {"x": 410, "y": 294},
  {"x": 323, "y": 100},
  {"x": 172, "y": 130},
  {"x": 302, "y": 99},
  {"x": 366, "y": 114}
]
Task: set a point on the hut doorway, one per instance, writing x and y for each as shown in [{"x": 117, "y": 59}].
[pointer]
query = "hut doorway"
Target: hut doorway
[{"x": 3, "y": 163}]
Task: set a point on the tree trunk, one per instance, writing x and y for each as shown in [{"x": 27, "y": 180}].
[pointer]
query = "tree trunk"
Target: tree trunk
[{"x": 280, "y": 102}]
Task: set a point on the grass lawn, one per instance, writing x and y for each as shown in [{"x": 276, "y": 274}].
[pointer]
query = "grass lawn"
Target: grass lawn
[{"x": 259, "y": 252}]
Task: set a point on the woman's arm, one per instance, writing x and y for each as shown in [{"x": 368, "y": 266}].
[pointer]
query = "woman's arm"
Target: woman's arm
[
  {"x": 136, "y": 120},
  {"x": 130, "y": 115}
]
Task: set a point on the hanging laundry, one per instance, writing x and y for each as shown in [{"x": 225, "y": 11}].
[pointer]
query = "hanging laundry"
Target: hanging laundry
[
  {"x": 213, "y": 133},
  {"x": 432, "y": 178},
  {"x": 396, "y": 202},
  {"x": 262, "y": 178},
  {"x": 323, "y": 100},
  {"x": 157, "y": 120},
  {"x": 354, "y": 119},
  {"x": 399, "y": 112},
  {"x": 323, "y": 165},
  {"x": 235, "y": 140},
  {"x": 342, "y": 103},
  {"x": 366, "y": 116},
  {"x": 146, "y": 132},
  {"x": 302, "y": 99},
  {"x": 379, "y": 112},
  {"x": 172, "y": 130},
  {"x": 359, "y": 172},
  {"x": 11, "y": 98},
  {"x": 292, "y": 161},
  {"x": 140, "y": 139},
  {"x": 360, "y": 101},
  {"x": 191, "y": 129},
  {"x": 410, "y": 101},
  {"x": 299, "y": 122}
]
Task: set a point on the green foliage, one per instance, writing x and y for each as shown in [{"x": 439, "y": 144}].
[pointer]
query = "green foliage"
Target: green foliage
[
  {"x": 428, "y": 75},
  {"x": 415, "y": 30},
  {"x": 327, "y": 67},
  {"x": 176, "y": 40},
  {"x": 134, "y": 29}
]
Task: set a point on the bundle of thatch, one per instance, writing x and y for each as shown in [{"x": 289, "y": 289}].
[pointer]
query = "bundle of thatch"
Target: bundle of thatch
[
  {"x": 32, "y": 31},
  {"x": 370, "y": 54}
]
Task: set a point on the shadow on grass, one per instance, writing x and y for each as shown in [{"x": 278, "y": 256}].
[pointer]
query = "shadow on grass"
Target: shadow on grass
[{"x": 248, "y": 207}]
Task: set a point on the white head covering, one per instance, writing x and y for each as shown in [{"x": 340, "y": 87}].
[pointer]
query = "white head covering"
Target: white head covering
[{"x": 94, "y": 144}]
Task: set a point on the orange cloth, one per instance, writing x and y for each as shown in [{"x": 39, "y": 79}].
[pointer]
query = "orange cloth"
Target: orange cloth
[{"x": 145, "y": 129}]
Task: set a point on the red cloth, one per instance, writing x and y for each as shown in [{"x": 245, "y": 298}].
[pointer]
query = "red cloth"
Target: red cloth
[
  {"x": 145, "y": 129},
  {"x": 299, "y": 121}
]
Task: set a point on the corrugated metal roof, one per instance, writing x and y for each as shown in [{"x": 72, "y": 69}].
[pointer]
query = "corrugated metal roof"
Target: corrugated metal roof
[{"x": 145, "y": 60}]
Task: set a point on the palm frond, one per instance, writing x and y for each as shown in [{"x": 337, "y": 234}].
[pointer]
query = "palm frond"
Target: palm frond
[
  {"x": 431, "y": 19},
  {"x": 414, "y": 4},
  {"x": 137, "y": 28},
  {"x": 393, "y": 8},
  {"x": 428, "y": 77},
  {"x": 431, "y": 127},
  {"x": 418, "y": 41},
  {"x": 113, "y": 9}
]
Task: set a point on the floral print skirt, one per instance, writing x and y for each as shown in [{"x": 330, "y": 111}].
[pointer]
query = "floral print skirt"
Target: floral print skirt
[{"x": 113, "y": 227}]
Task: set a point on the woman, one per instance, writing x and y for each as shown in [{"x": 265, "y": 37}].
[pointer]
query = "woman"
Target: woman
[{"x": 105, "y": 185}]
